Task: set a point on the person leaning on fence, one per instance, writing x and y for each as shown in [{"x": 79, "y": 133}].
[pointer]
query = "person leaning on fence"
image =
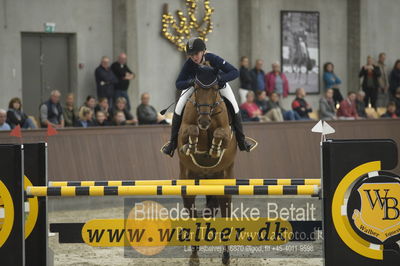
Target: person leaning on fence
[
  {"x": 147, "y": 114},
  {"x": 15, "y": 115},
  {"x": 300, "y": 106},
  {"x": 347, "y": 109},
  {"x": 101, "y": 119},
  {"x": 104, "y": 107},
  {"x": 85, "y": 117},
  {"x": 3, "y": 118},
  {"x": 51, "y": 112},
  {"x": 390, "y": 111},
  {"x": 120, "y": 106},
  {"x": 271, "y": 110},
  {"x": 69, "y": 111},
  {"x": 327, "y": 108}
]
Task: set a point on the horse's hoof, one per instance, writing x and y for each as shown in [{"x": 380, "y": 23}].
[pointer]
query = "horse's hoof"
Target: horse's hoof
[
  {"x": 194, "y": 259},
  {"x": 226, "y": 258}
]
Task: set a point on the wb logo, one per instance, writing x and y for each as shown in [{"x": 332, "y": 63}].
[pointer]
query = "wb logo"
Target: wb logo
[
  {"x": 379, "y": 213},
  {"x": 386, "y": 203}
]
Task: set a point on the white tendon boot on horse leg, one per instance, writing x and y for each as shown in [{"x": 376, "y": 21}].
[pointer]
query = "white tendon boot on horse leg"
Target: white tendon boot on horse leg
[
  {"x": 219, "y": 142},
  {"x": 191, "y": 136}
]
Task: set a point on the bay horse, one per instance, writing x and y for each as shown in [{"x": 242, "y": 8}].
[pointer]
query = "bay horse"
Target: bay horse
[{"x": 206, "y": 147}]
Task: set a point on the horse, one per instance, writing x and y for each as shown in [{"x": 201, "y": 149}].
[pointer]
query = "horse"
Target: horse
[{"x": 206, "y": 149}]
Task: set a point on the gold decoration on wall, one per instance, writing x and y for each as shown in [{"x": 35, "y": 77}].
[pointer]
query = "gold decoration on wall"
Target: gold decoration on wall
[{"x": 178, "y": 31}]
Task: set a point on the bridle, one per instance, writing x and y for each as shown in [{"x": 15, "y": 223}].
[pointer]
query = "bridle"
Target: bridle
[{"x": 210, "y": 106}]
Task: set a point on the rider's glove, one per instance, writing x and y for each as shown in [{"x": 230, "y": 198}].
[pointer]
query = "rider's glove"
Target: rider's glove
[
  {"x": 190, "y": 82},
  {"x": 221, "y": 82}
]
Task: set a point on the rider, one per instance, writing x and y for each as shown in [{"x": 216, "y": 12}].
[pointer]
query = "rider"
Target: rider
[{"x": 196, "y": 50}]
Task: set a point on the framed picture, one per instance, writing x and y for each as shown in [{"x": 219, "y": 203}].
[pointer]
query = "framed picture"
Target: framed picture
[{"x": 300, "y": 50}]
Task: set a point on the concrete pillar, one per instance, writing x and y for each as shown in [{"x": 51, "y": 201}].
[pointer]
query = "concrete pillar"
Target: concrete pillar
[
  {"x": 245, "y": 34},
  {"x": 119, "y": 15},
  {"x": 353, "y": 44},
  {"x": 125, "y": 40}
]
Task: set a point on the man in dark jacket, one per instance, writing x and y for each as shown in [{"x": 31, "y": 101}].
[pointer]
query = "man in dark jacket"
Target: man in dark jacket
[
  {"x": 124, "y": 75},
  {"x": 258, "y": 76},
  {"x": 105, "y": 80},
  {"x": 51, "y": 112},
  {"x": 370, "y": 85},
  {"x": 246, "y": 81},
  {"x": 300, "y": 106}
]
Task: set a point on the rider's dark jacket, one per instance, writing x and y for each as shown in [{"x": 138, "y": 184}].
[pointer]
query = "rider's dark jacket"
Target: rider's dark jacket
[{"x": 227, "y": 72}]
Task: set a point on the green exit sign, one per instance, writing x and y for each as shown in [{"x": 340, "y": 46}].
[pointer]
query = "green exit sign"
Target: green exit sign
[{"x": 49, "y": 27}]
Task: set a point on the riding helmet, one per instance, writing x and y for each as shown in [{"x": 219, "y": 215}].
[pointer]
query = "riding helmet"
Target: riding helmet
[{"x": 195, "y": 45}]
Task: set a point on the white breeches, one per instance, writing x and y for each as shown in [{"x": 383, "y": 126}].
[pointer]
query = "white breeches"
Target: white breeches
[{"x": 225, "y": 92}]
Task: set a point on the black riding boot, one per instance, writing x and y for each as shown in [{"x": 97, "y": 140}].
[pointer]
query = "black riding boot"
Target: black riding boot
[
  {"x": 240, "y": 138},
  {"x": 169, "y": 148}
]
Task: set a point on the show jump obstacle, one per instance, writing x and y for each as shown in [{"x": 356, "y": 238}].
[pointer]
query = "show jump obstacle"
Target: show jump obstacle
[{"x": 353, "y": 171}]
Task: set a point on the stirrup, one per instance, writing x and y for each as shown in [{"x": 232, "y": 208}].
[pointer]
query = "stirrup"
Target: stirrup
[
  {"x": 250, "y": 144},
  {"x": 168, "y": 149}
]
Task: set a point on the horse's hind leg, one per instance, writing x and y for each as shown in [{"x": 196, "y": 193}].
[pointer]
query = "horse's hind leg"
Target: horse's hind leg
[{"x": 219, "y": 142}]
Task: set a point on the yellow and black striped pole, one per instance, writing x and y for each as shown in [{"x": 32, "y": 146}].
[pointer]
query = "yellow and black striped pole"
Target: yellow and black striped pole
[
  {"x": 192, "y": 182},
  {"x": 165, "y": 190}
]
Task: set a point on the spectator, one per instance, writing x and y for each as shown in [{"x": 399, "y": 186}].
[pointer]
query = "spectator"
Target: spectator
[
  {"x": 124, "y": 75},
  {"x": 119, "y": 118},
  {"x": 85, "y": 117},
  {"x": 3, "y": 118},
  {"x": 274, "y": 102},
  {"x": 347, "y": 109},
  {"x": 262, "y": 101},
  {"x": 89, "y": 103},
  {"x": 383, "y": 95},
  {"x": 277, "y": 82},
  {"x": 333, "y": 82},
  {"x": 15, "y": 115},
  {"x": 327, "y": 109},
  {"x": 245, "y": 78},
  {"x": 269, "y": 109},
  {"x": 396, "y": 100},
  {"x": 257, "y": 76},
  {"x": 147, "y": 114},
  {"x": 370, "y": 74},
  {"x": 105, "y": 80},
  {"x": 101, "y": 119},
  {"x": 104, "y": 107},
  {"x": 120, "y": 106},
  {"x": 300, "y": 106},
  {"x": 69, "y": 111},
  {"x": 51, "y": 112},
  {"x": 390, "y": 111},
  {"x": 360, "y": 105},
  {"x": 394, "y": 78},
  {"x": 250, "y": 108}
]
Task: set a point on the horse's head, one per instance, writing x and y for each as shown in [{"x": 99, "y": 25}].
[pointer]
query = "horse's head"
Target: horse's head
[{"x": 206, "y": 95}]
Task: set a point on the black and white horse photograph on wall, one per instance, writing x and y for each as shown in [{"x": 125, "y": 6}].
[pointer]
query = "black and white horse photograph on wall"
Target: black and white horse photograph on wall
[{"x": 300, "y": 49}]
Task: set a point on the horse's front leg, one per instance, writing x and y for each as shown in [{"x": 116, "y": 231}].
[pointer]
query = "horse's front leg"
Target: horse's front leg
[
  {"x": 191, "y": 137},
  {"x": 219, "y": 142}
]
